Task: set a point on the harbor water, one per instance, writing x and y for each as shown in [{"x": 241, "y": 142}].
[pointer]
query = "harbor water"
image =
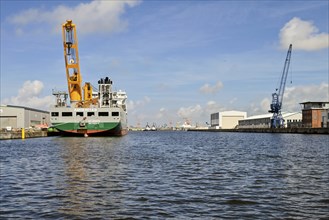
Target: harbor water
[{"x": 166, "y": 175}]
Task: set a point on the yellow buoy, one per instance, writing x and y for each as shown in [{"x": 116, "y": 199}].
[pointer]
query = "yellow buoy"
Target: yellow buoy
[{"x": 23, "y": 133}]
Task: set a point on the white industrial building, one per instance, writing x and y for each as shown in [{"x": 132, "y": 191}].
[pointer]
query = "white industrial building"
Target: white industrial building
[
  {"x": 264, "y": 121},
  {"x": 13, "y": 117},
  {"x": 226, "y": 119}
]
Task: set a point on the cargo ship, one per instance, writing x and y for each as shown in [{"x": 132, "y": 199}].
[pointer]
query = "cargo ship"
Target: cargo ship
[
  {"x": 97, "y": 111},
  {"x": 104, "y": 115}
]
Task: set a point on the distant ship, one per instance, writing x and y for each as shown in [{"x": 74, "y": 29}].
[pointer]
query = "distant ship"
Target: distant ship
[
  {"x": 153, "y": 127},
  {"x": 95, "y": 112},
  {"x": 147, "y": 127}
]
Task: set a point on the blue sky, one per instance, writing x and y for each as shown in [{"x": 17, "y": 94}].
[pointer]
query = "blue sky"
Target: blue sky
[{"x": 176, "y": 60}]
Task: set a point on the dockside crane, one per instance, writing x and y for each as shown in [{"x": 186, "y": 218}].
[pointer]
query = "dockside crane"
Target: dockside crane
[
  {"x": 71, "y": 55},
  {"x": 277, "y": 120}
]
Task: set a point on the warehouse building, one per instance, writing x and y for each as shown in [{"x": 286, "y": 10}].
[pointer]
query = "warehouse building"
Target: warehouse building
[
  {"x": 13, "y": 117},
  {"x": 315, "y": 114},
  {"x": 264, "y": 121},
  {"x": 226, "y": 119}
]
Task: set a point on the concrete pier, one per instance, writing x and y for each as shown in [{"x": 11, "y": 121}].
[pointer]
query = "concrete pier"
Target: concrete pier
[
  {"x": 5, "y": 135},
  {"x": 270, "y": 130}
]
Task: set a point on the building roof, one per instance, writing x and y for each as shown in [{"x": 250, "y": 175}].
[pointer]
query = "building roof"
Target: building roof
[
  {"x": 309, "y": 102},
  {"x": 230, "y": 112},
  {"x": 233, "y": 113},
  {"x": 315, "y": 105},
  {"x": 269, "y": 115},
  {"x": 26, "y": 108}
]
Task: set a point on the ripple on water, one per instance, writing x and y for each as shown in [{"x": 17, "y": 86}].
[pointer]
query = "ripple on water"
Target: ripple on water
[{"x": 179, "y": 175}]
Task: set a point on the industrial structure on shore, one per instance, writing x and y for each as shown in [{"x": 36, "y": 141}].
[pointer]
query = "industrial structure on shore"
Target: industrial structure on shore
[
  {"x": 265, "y": 121},
  {"x": 226, "y": 119},
  {"x": 16, "y": 117},
  {"x": 315, "y": 114},
  {"x": 277, "y": 120},
  {"x": 312, "y": 115}
]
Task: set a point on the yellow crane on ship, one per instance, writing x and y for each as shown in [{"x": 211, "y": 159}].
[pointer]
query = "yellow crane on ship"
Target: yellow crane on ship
[{"x": 73, "y": 74}]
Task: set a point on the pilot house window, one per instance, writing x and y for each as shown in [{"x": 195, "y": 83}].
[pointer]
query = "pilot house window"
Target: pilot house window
[
  {"x": 115, "y": 113},
  {"x": 79, "y": 113},
  {"x": 103, "y": 114},
  {"x": 55, "y": 114},
  {"x": 67, "y": 114},
  {"x": 90, "y": 113}
]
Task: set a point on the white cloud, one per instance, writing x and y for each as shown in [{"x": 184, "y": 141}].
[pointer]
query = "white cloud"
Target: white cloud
[
  {"x": 292, "y": 97},
  {"x": 95, "y": 16},
  {"x": 133, "y": 105},
  {"x": 199, "y": 113},
  {"x": 233, "y": 100},
  {"x": 190, "y": 112},
  {"x": 212, "y": 107},
  {"x": 295, "y": 95},
  {"x": 162, "y": 113},
  {"x": 211, "y": 103},
  {"x": 208, "y": 89},
  {"x": 262, "y": 108},
  {"x": 303, "y": 35},
  {"x": 29, "y": 96},
  {"x": 141, "y": 116},
  {"x": 194, "y": 114},
  {"x": 30, "y": 89}
]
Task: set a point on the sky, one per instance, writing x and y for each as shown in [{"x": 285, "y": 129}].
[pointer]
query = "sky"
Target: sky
[{"x": 177, "y": 60}]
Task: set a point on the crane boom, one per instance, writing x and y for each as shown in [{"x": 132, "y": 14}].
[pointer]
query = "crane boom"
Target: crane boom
[
  {"x": 277, "y": 97},
  {"x": 284, "y": 75},
  {"x": 70, "y": 43}
]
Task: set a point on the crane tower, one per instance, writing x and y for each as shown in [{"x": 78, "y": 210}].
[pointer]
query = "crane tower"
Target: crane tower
[
  {"x": 74, "y": 79},
  {"x": 277, "y": 120},
  {"x": 72, "y": 61}
]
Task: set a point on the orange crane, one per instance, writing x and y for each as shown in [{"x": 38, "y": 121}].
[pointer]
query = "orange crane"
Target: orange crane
[{"x": 71, "y": 56}]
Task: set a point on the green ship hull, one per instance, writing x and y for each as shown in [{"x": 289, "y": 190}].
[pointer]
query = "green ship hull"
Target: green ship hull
[
  {"x": 104, "y": 115},
  {"x": 99, "y": 129}
]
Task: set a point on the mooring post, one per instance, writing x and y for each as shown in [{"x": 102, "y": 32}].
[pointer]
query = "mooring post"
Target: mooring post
[{"x": 23, "y": 133}]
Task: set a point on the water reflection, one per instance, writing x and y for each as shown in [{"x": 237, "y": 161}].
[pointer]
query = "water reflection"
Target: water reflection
[
  {"x": 75, "y": 178},
  {"x": 93, "y": 175}
]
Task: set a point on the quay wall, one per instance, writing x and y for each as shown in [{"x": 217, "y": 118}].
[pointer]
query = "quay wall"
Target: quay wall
[
  {"x": 270, "y": 130},
  {"x": 5, "y": 135}
]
